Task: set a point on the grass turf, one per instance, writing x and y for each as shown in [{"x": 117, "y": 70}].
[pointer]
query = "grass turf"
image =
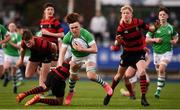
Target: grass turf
[{"x": 90, "y": 96}]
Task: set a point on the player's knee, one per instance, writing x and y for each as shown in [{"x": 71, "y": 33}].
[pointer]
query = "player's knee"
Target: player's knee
[
  {"x": 74, "y": 77},
  {"x": 142, "y": 72},
  {"x": 27, "y": 75},
  {"x": 91, "y": 75}
]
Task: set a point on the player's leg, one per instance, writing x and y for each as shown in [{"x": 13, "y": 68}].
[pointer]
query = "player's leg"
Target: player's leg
[
  {"x": 36, "y": 90},
  {"x": 74, "y": 67},
  {"x": 91, "y": 74},
  {"x": 165, "y": 59},
  {"x": 141, "y": 67},
  {"x": 31, "y": 68},
  {"x": 43, "y": 73},
  {"x": 119, "y": 75},
  {"x": 130, "y": 80},
  {"x": 57, "y": 86},
  {"x": 1, "y": 63},
  {"x": 161, "y": 62}
]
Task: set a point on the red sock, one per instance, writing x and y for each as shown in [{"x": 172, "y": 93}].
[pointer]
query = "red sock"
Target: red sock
[
  {"x": 36, "y": 90},
  {"x": 114, "y": 84},
  {"x": 129, "y": 88},
  {"x": 143, "y": 84},
  {"x": 49, "y": 101}
]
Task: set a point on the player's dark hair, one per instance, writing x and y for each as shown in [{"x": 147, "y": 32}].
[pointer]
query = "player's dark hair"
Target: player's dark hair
[
  {"x": 27, "y": 35},
  {"x": 72, "y": 17},
  {"x": 162, "y": 8},
  {"x": 48, "y": 4}
]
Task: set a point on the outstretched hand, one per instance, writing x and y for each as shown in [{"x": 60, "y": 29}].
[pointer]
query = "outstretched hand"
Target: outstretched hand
[{"x": 119, "y": 38}]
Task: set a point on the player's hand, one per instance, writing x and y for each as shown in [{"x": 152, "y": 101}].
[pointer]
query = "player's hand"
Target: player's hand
[
  {"x": 3, "y": 45},
  {"x": 77, "y": 47},
  {"x": 173, "y": 42},
  {"x": 147, "y": 50},
  {"x": 119, "y": 38},
  {"x": 115, "y": 47},
  {"x": 45, "y": 32},
  {"x": 157, "y": 40}
]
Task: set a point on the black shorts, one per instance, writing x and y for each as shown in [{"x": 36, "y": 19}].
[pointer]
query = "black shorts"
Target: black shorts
[
  {"x": 40, "y": 57},
  {"x": 131, "y": 58},
  {"x": 54, "y": 56},
  {"x": 56, "y": 84}
]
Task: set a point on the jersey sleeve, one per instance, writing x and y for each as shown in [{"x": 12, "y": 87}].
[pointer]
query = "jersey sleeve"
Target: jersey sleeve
[
  {"x": 143, "y": 25},
  {"x": 67, "y": 39},
  {"x": 149, "y": 35},
  {"x": 58, "y": 26}
]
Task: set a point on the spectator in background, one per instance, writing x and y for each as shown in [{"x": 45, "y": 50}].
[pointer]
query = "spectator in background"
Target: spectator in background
[
  {"x": 151, "y": 18},
  {"x": 98, "y": 26},
  {"x": 173, "y": 19},
  {"x": 112, "y": 25}
]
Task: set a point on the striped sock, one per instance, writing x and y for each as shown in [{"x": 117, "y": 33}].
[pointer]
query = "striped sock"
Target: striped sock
[
  {"x": 14, "y": 80},
  {"x": 99, "y": 80},
  {"x": 160, "y": 82},
  {"x": 35, "y": 90},
  {"x": 71, "y": 85},
  {"x": 143, "y": 84},
  {"x": 19, "y": 75},
  {"x": 49, "y": 101}
]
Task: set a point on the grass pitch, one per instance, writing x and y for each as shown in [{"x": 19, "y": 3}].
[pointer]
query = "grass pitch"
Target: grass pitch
[{"x": 90, "y": 95}]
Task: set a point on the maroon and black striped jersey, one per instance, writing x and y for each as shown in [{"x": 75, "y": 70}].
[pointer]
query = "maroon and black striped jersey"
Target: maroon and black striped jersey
[
  {"x": 51, "y": 25},
  {"x": 40, "y": 45},
  {"x": 132, "y": 34},
  {"x": 62, "y": 71}
]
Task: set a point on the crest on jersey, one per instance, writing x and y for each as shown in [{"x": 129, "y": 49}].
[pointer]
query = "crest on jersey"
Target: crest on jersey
[{"x": 125, "y": 31}]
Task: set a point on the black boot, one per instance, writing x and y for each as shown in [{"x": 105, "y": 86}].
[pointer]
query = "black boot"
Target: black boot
[
  {"x": 6, "y": 79},
  {"x": 107, "y": 99},
  {"x": 144, "y": 101}
]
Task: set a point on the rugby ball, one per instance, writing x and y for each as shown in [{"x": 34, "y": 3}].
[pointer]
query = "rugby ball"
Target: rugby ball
[{"x": 79, "y": 41}]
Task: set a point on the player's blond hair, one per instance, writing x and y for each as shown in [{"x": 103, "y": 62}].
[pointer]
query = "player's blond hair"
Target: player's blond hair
[{"x": 126, "y": 7}]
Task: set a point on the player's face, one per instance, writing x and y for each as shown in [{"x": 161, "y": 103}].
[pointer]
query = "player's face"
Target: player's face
[
  {"x": 12, "y": 27},
  {"x": 49, "y": 11},
  {"x": 126, "y": 15},
  {"x": 163, "y": 16},
  {"x": 75, "y": 29},
  {"x": 29, "y": 43}
]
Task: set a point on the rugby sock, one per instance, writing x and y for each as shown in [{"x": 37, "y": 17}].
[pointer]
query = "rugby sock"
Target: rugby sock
[
  {"x": 49, "y": 101},
  {"x": 71, "y": 85},
  {"x": 114, "y": 83},
  {"x": 160, "y": 82},
  {"x": 14, "y": 84},
  {"x": 35, "y": 90},
  {"x": 99, "y": 80},
  {"x": 19, "y": 75},
  {"x": 129, "y": 88},
  {"x": 143, "y": 85}
]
